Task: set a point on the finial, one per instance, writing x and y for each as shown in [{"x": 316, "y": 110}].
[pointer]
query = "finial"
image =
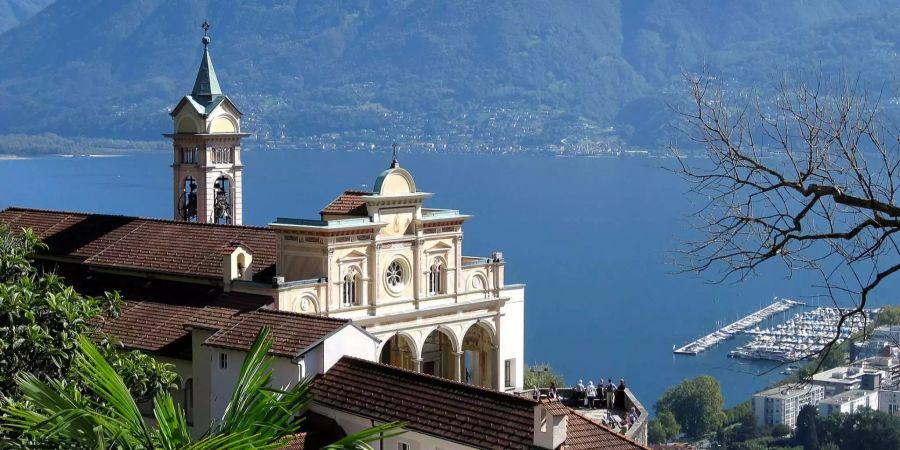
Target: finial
[
  {"x": 205, "y": 27},
  {"x": 394, "y": 162}
]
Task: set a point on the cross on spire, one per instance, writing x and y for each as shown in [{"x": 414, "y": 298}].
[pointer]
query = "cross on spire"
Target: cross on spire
[
  {"x": 394, "y": 162},
  {"x": 205, "y": 27}
]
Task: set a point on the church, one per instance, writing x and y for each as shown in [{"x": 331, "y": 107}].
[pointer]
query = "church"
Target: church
[{"x": 374, "y": 298}]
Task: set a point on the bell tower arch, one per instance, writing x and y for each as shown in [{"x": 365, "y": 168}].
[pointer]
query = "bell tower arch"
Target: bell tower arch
[{"x": 206, "y": 167}]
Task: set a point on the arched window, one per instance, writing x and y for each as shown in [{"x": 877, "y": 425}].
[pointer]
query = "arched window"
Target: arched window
[
  {"x": 188, "y": 203},
  {"x": 436, "y": 278},
  {"x": 350, "y": 293},
  {"x": 222, "y": 201}
]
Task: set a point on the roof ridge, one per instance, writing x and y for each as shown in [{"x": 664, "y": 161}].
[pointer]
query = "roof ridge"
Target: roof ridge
[
  {"x": 505, "y": 395},
  {"x": 151, "y": 219},
  {"x": 296, "y": 314}
]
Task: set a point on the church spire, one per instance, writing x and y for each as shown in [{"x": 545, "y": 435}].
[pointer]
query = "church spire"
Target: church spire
[{"x": 207, "y": 84}]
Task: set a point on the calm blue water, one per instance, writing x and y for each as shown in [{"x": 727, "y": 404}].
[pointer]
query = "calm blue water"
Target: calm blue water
[{"x": 590, "y": 237}]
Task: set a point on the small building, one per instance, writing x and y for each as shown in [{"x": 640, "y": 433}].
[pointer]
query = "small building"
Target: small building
[
  {"x": 886, "y": 363},
  {"x": 889, "y": 402},
  {"x": 781, "y": 405},
  {"x": 843, "y": 379},
  {"x": 849, "y": 402},
  {"x": 882, "y": 342}
]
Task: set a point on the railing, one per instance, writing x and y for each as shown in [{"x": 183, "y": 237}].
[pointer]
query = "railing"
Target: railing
[
  {"x": 438, "y": 213},
  {"x": 468, "y": 261},
  {"x": 624, "y": 401}
]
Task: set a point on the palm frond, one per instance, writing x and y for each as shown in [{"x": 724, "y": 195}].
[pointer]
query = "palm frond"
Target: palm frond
[{"x": 173, "y": 428}]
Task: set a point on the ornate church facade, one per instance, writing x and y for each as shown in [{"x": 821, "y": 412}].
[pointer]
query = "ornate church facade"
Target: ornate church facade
[{"x": 380, "y": 258}]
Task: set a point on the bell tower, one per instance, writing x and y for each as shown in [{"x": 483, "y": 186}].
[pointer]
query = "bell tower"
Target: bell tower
[{"x": 206, "y": 143}]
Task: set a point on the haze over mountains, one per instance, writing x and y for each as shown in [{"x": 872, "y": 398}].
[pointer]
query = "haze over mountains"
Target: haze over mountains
[{"x": 535, "y": 70}]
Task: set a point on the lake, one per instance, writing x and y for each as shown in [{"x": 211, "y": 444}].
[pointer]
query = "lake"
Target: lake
[{"x": 591, "y": 237}]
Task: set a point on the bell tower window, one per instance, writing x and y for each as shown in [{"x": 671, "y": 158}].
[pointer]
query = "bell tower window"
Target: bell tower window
[
  {"x": 222, "y": 201},
  {"x": 188, "y": 203}
]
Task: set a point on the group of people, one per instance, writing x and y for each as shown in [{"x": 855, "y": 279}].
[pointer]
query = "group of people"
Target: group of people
[
  {"x": 602, "y": 393},
  {"x": 624, "y": 423}
]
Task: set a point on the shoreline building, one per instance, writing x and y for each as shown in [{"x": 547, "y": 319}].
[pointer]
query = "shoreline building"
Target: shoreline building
[
  {"x": 781, "y": 405},
  {"x": 371, "y": 299}
]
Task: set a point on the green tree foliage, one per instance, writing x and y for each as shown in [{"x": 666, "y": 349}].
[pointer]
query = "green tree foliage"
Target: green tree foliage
[
  {"x": 656, "y": 433},
  {"x": 663, "y": 428},
  {"x": 889, "y": 315},
  {"x": 696, "y": 405},
  {"x": 541, "y": 375},
  {"x": 41, "y": 318},
  {"x": 257, "y": 417},
  {"x": 865, "y": 430},
  {"x": 806, "y": 434}
]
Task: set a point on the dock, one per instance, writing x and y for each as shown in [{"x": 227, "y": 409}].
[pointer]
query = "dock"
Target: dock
[{"x": 734, "y": 328}]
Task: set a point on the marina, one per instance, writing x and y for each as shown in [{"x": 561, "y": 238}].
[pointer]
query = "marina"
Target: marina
[
  {"x": 734, "y": 328},
  {"x": 802, "y": 336}
]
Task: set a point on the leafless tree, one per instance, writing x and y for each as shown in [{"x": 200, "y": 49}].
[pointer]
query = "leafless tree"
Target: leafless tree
[{"x": 806, "y": 176}]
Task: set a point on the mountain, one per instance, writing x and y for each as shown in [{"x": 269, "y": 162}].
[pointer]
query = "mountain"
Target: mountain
[
  {"x": 14, "y": 12},
  {"x": 536, "y": 70}
]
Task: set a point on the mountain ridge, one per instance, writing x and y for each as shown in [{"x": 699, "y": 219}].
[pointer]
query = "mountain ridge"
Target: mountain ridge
[{"x": 537, "y": 71}]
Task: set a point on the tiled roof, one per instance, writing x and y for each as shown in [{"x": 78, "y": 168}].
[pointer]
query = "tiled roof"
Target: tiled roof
[
  {"x": 349, "y": 203},
  {"x": 583, "y": 433},
  {"x": 457, "y": 412},
  {"x": 292, "y": 332},
  {"x": 148, "y": 245},
  {"x": 296, "y": 442},
  {"x": 155, "y": 313}
]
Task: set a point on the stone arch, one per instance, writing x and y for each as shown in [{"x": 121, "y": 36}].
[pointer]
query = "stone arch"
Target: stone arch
[
  {"x": 187, "y": 124},
  {"x": 479, "y": 348},
  {"x": 306, "y": 304},
  {"x": 477, "y": 282},
  {"x": 439, "y": 354},
  {"x": 223, "y": 124},
  {"x": 399, "y": 351},
  {"x": 396, "y": 181}
]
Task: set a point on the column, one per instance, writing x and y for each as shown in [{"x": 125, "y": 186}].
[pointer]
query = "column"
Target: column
[
  {"x": 417, "y": 365},
  {"x": 498, "y": 368},
  {"x": 459, "y": 374}
]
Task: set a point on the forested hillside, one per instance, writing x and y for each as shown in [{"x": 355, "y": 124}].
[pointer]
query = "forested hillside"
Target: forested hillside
[{"x": 536, "y": 70}]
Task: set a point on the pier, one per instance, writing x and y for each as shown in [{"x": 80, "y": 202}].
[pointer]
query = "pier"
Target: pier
[{"x": 730, "y": 330}]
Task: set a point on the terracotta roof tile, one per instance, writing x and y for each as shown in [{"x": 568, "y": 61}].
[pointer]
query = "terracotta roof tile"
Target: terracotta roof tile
[
  {"x": 349, "y": 203},
  {"x": 583, "y": 433},
  {"x": 457, "y": 412},
  {"x": 296, "y": 442},
  {"x": 150, "y": 245},
  {"x": 292, "y": 332}
]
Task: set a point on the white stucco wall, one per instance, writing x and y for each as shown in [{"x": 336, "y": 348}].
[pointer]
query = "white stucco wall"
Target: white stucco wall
[
  {"x": 417, "y": 441},
  {"x": 348, "y": 341},
  {"x": 512, "y": 333}
]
